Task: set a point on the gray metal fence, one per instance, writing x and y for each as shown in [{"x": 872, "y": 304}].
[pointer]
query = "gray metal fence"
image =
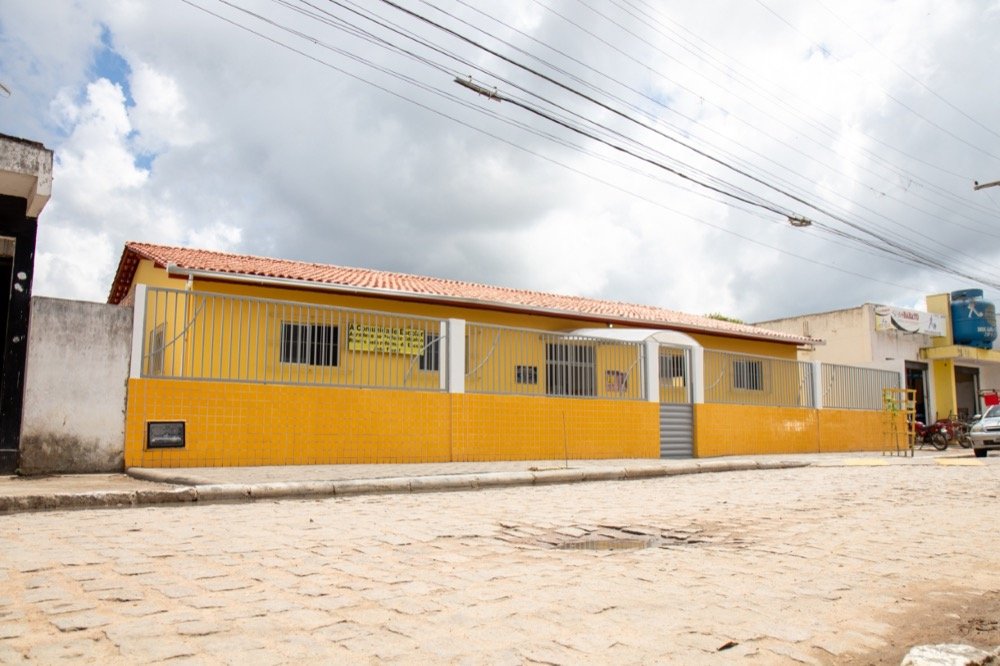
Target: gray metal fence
[
  {"x": 200, "y": 336},
  {"x": 522, "y": 361},
  {"x": 757, "y": 380},
  {"x": 674, "y": 367},
  {"x": 850, "y": 387}
]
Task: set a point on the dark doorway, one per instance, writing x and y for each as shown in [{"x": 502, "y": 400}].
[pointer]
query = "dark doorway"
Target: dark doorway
[
  {"x": 17, "y": 267},
  {"x": 966, "y": 392},
  {"x": 916, "y": 379}
]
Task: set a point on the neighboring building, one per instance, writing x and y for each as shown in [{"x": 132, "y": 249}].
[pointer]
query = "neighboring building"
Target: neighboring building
[
  {"x": 948, "y": 378},
  {"x": 25, "y": 187},
  {"x": 241, "y": 360}
]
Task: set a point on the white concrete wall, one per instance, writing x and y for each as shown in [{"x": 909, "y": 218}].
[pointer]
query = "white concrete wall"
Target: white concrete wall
[
  {"x": 75, "y": 387},
  {"x": 847, "y": 333}
]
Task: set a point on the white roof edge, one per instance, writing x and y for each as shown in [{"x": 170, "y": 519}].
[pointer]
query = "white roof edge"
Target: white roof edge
[{"x": 639, "y": 334}]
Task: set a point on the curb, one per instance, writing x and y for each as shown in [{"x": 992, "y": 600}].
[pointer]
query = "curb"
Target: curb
[{"x": 207, "y": 493}]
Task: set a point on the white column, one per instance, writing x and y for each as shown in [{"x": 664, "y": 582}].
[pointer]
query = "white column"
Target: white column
[
  {"x": 652, "y": 371},
  {"x": 138, "y": 330},
  {"x": 817, "y": 384},
  {"x": 697, "y": 372},
  {"x": 453, "y": 372}
]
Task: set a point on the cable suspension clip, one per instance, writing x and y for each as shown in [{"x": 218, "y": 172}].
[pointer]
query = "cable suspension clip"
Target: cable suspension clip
[{"x": 475, "y": 87}]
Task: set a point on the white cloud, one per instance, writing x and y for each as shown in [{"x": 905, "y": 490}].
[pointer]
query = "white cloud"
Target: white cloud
[{"x": 255, "y": 148}]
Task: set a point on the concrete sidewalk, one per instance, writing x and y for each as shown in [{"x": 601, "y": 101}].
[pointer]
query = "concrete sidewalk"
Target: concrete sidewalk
[{"x": 141, "y": 486}]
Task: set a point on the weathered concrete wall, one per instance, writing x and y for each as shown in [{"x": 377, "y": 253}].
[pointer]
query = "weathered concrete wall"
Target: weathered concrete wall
[{"x": 74, "y": 399}]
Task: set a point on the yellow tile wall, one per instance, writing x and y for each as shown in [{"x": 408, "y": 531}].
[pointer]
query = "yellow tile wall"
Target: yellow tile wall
[
  {"x": 505, "y": 427},
  {"x": 255, "y": 424},
  {"x": 232, "y": 424},
  {"x": 854, "y": 430},
  {"x": 722, "y": 430}
]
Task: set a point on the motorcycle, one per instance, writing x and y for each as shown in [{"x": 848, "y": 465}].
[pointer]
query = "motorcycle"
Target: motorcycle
[
  {"x": 955, "y": 431},
  {"x": 932, "y": 434}
]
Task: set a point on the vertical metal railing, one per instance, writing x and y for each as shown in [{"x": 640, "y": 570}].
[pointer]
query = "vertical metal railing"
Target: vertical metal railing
[
  {"x": 200, "y": 336},
  {"x": 851, "y": 387},
  {"x": 757, "y": 380},
  {"x": 521, "y": 361},
  {"x": 674, "y": 366}
]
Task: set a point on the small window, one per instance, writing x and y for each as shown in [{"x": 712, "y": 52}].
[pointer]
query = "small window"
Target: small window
[
  {"x": 748, "y": 375},
  {"x": 526, "y": 374},
  {"x": 430, "y": 359},
  {"x": 157, "y": 341},
  {"x": 672, "y": 366},
  {"x": 309, "y": 344},
  {"x": 615, "y": 381}
]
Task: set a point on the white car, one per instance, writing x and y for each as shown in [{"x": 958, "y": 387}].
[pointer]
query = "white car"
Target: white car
[{"x": 985, "y": 433}]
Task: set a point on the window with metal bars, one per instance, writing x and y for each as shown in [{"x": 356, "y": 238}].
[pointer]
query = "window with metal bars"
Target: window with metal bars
[
  {"x": 570, "y": 370},
  {"x": 431, "y": 358},
  {"x": 748, "y": 375},
  {"x": 309, "y": 344},
  {"x": 672, "y": 366}
]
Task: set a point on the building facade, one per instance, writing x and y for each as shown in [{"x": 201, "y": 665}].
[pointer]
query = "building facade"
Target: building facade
[
  {"x": 948, "y": 375},
  {"x": 240, "y": 360}
]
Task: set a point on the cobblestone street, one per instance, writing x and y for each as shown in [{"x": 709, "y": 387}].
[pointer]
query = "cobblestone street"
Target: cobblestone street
[{"x": 806, "y": 565}]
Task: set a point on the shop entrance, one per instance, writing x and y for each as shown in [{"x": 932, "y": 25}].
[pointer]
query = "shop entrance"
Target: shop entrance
[
  {"x": 966, "y": 392},
  {"x": 916, "y": 380}
]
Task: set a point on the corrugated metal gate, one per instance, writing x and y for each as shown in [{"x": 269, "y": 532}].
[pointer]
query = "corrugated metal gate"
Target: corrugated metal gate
[
  {"x": 676, "y": 411},
  {"x": 676, "y": 431}
]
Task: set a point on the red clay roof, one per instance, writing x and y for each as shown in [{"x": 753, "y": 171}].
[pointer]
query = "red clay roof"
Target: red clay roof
[{"x": 401, "y": 285}]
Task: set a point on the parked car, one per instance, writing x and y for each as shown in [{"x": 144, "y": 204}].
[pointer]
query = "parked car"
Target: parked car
[{"x": 985, "y": 432}]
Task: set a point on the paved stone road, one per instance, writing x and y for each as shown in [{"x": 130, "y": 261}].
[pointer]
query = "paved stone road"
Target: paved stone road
[{"x": 792, "y": 565}]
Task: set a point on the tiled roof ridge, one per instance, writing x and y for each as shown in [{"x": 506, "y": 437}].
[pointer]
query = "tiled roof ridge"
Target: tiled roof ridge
[
  {"x": 399, "y": 274},
  {"x": 563, "y": 302}
]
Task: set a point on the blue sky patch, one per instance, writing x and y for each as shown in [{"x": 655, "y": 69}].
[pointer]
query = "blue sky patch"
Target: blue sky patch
[{"x": 110, "y": 65}]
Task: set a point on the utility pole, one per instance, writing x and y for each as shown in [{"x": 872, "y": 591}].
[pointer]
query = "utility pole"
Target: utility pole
[{"x": 976, "y": 185}]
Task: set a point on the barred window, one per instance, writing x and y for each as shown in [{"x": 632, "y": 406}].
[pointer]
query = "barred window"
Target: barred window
[
  {"x": 672, "y": 366},
  {"x": 526, "y": 374},
  {"x": 431, "y": 358},
  {"x": 570, "y": 370},
  {"x": 748, "y": 375},
  {"x": 309, "y": 344}
]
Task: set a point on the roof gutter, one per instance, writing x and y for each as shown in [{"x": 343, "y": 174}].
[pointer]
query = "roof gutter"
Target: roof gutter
[{"x": 266, "y": 281}]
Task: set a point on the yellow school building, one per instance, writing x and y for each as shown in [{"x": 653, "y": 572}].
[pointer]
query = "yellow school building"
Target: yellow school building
[{"x": 243, "y": 360}]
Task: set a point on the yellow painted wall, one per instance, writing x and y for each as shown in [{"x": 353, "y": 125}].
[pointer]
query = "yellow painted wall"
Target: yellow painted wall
[
  {"x": 503, "y": 427},
  {"x": 856, "y": 430},
  {"x": 722, "y": 430},
  {"x": 255, "y": 424},
  {"x": 232, "y": 424},
  {"x": 945, "y": 397},
  {"x": 147, "y": 273}
]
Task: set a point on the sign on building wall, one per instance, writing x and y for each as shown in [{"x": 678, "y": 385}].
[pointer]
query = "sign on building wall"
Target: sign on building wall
[
  {"x": 386, "y": 340},
  {"x": 909, "y": 321}
]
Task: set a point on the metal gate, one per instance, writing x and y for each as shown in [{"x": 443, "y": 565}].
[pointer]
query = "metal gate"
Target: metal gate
[
  {"x": 676, "y": 431},
  {"x": 676, "y": 411}
]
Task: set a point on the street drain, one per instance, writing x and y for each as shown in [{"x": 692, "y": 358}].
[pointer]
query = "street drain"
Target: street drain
[{"x": 605, "y": 544}]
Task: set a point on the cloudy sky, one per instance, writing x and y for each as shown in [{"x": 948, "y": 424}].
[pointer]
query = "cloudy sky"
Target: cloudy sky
[{"x": 650, "y": 151}]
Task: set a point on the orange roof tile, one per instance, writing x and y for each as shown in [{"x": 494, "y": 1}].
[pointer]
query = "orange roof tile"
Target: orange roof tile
[{"x": 401, "y": 285}]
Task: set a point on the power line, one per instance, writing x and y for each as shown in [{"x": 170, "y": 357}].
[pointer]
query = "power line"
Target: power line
[{"x": 914, "y": 257}]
